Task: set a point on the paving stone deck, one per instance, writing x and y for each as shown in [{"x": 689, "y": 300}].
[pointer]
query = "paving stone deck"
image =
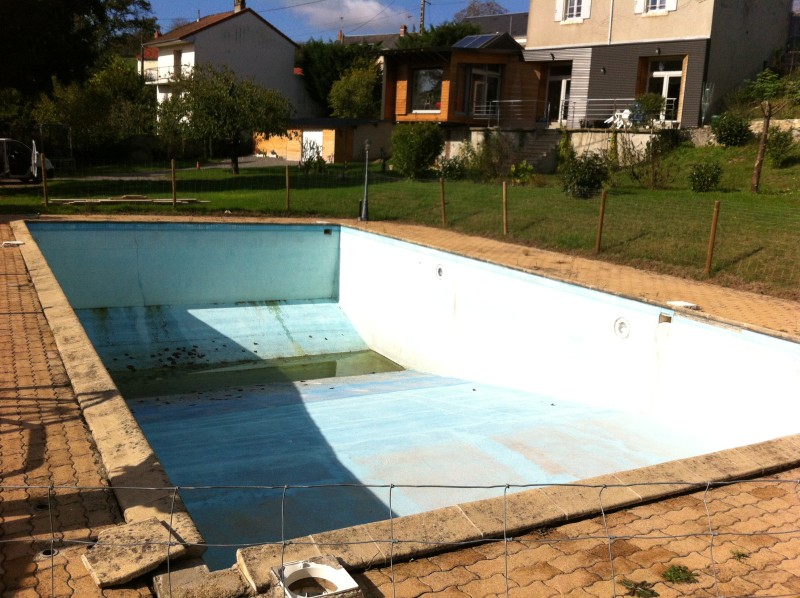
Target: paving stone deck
[{"x": 741, "y": 539}]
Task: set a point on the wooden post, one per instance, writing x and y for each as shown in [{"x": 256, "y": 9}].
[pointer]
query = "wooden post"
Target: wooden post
[
  {"x": 287, "y": 188},
  {"x": 174, "y": 185},
  {"x": 712, "y": 239},
  {"x": 44, "y": 181},
  {"x": 505, "y": 208},
  {"x": 599, "y": 241},
  {"x": 444, "y": 210}
]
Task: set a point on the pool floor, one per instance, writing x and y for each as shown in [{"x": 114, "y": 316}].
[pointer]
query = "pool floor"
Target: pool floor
[{"x": 402, "y": 428}]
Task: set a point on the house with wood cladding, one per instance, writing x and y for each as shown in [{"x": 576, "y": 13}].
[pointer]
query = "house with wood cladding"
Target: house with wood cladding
[{"x": 584, "y": 62}]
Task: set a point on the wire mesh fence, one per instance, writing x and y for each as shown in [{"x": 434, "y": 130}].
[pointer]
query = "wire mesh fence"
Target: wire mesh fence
[
  {"x": 733, "y": 538},
  {"x": 757, "y": 238}
]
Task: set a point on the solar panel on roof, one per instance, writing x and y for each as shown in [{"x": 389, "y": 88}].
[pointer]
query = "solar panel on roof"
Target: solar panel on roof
[{"x": 474, "y": 41}]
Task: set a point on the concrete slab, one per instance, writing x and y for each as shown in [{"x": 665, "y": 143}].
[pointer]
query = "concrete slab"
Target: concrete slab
[
  {"x": 124, "y": 553},
  {"x": 227, "y": 583},
  {"x": 256, "y": 562},
  {"x": 179, "y": 574}
]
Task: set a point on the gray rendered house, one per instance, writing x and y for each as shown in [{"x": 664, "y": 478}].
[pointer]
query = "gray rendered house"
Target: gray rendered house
[{"x": 597, "y": 55}]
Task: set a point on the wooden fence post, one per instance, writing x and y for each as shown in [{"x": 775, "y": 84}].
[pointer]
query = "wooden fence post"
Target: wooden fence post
[
  {"x": 444, "y": 210},
  {"x": 174, "y": 185},
  {"x": 44, "y": 180},
  {"x": 599, "y": 241},
  {"x": 505, "y": 208},
  {"x": 712, "y": 239},
  {"x": 287, "y": 188}
]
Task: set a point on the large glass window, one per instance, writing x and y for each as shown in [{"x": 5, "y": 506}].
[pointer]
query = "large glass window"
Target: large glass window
[
  {"x": 656, "y": 5},
  {"x": 485, "y": 86},
  {"x": 665, "y": 80},
  {"x": 426, "y": 90}
]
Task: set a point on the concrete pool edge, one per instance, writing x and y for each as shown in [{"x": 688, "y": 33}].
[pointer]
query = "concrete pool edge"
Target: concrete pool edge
[
  {"x": 141, "y": 485},
  {"x": 130, "y": 463}
]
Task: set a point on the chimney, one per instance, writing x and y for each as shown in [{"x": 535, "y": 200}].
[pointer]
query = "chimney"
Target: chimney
[
  {"x": 403, "y": 31},
  {"x": 239, "y": 5},
  {"x": 340, "y": 37},
  {"x": 156, "y": 34}
]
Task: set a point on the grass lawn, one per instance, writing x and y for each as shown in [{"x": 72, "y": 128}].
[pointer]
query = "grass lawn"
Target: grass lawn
[{"x": 665, "y": 230}]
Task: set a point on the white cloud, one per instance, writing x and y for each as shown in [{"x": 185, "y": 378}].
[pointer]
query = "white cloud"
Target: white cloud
[{"x": 353, "y": 16}]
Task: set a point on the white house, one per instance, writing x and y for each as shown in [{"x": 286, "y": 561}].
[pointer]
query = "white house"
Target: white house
[{"x": 239, "y": 39}]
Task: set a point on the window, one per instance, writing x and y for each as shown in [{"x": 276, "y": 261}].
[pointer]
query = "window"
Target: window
[
  {"x": 426, "y": 90},
  {"x": 571, "y": 11},
  {"x": 485, "y": 89},
  {"x": 658, "y": 7}
]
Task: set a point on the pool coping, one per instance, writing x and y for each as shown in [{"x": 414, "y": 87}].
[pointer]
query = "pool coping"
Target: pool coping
[{"x": 144, "y": 490}]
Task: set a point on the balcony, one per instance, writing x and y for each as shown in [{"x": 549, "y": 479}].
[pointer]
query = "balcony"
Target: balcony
[
  {"x": 619, "y": 113},
  {"x": 166, "y": 74}
]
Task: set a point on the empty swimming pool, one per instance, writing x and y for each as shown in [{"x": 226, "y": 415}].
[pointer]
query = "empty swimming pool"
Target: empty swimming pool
[{"x": 267, "y": 355}]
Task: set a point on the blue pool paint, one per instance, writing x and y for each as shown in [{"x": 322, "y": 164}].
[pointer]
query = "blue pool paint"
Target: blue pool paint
[{"x": 512, "y": 378}]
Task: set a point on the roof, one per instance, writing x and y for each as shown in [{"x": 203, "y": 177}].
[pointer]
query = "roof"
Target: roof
[
  {"x": 515, "y": 24},
  {"x": 384, "y": 41},
  {"x": 488, "y": 41},
  {"x": 150, "y": 53},
  {"x": 185, "y": 31},
  {"x": 492, "y": 42}
]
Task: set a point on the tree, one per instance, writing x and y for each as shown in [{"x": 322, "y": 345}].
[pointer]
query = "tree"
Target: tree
[
  {"x": 324, "y": 63},
  {"x": 112, "y": 106},
  {"x": 44, "y": 41},
  {"x": 769, "y": 93},
  {"x": 217, "y": 106},
  {"x": 480, "y": 8},
  {"x": 358, "y": 93},
  {"x": 439, "y": 36}
]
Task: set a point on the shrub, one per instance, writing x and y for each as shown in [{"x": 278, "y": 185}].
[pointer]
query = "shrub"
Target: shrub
[
  {"x": 454, "y": 168},
  {"x": 489, "y": 160},
  {"x": 779, "y": 146},
  {"x": 731, "y": 130},
  {"x": 415, "y": 148},
  {"x": 566, "y": 153},
  {"x": 311, "y": 157},
  {"x": 522, "y": 173},
  {"x": 705, "y": 176},
  {"x": 647, "y": 109},
  {"x": 584, "y": 176}
]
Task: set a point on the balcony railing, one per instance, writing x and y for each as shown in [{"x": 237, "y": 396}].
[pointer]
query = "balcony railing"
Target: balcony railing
[
  {"x": 166, "y": 74},
  {"x": 622, "y": 113}
]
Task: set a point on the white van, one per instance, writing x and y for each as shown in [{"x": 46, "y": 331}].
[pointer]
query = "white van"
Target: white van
[{"x": 18, "y": 161}]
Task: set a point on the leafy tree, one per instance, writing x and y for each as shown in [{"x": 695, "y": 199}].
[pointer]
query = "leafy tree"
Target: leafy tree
[
  {"x": 112, "y": 106},
  {"x": 769, "y": 94},
  {"x": 44, "y": 41},
  {"x": 480, "y": 8},
  {"x": 439, "y": 36},
  {"x": 358, "y": 93},
  {"x": 324, "y": 63},
  {"x": 217, "y": 106}
]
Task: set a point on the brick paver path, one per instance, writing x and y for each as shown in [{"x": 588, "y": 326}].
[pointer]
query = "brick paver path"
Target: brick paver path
[
  {"x": 738, "y": 540},
  {"x": 43, "y": 442}
]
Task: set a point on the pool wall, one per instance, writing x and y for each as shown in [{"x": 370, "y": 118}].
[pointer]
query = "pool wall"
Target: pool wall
[
  {"x": 439, "y": 312},
  {"x": 168, "y": 295},
  {"x": 185, "y": 264}
]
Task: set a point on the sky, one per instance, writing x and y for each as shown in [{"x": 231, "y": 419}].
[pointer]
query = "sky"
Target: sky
[{"x": 302, "y": 20}]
